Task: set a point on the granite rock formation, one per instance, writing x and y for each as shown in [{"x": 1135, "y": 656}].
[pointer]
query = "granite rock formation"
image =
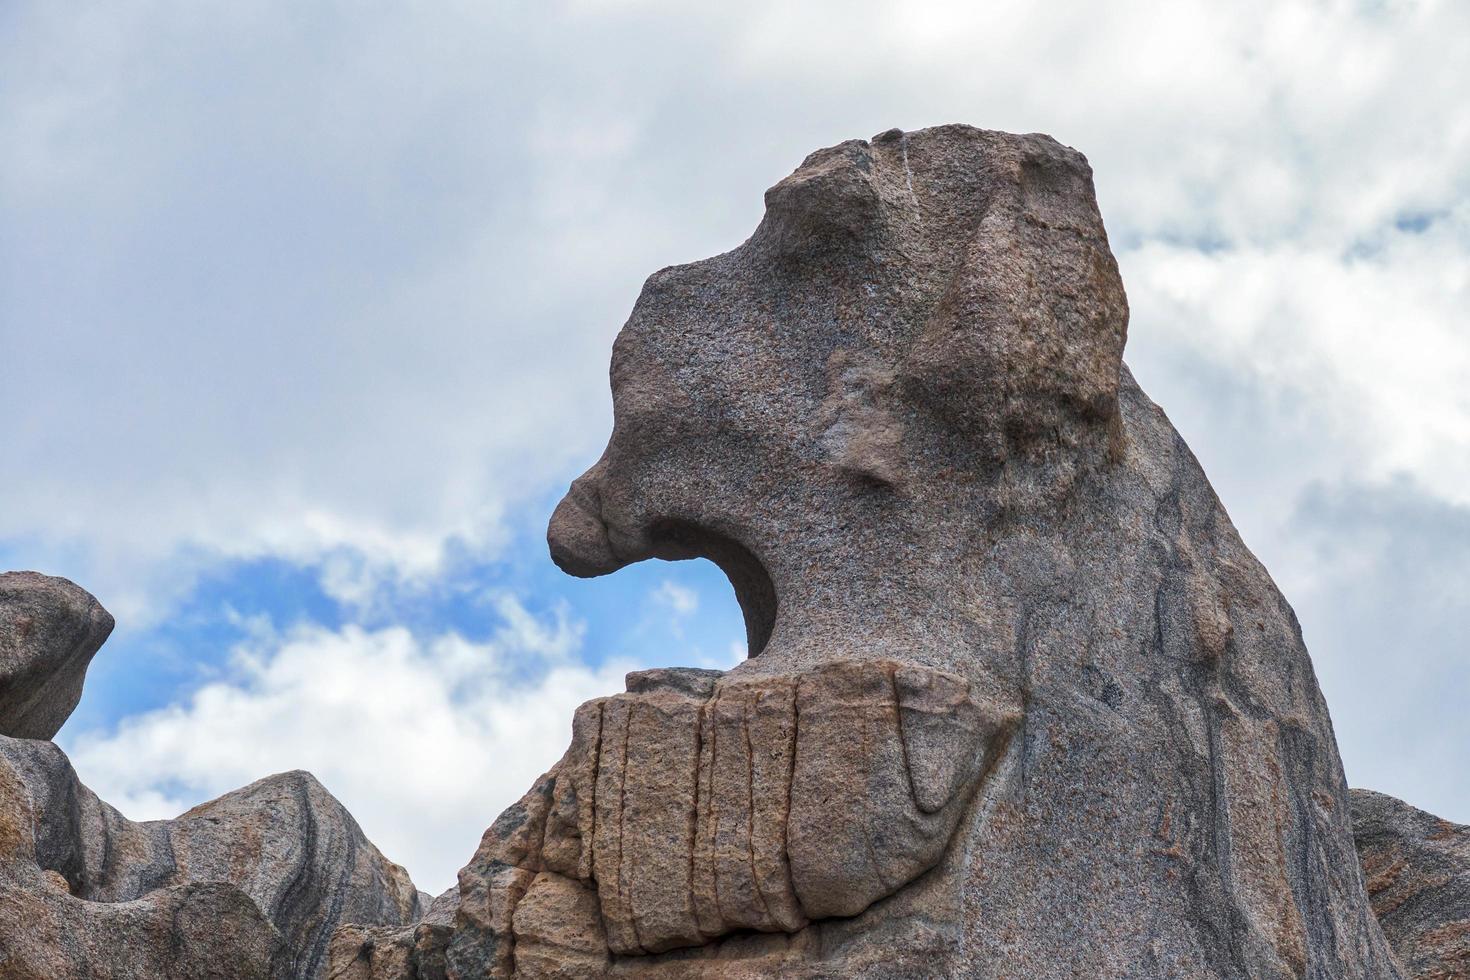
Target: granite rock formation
[
  {"x": 250, "y": 885},
  {"x": 1417, "y": 868},
  {"x": 1019, "y": 701},
  {"x": 49, "y": 630}
]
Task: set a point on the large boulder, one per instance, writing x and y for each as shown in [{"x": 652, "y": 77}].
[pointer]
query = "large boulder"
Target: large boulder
[
  {"x": 49, "y": 630},
  {"x": 1417, "y": 868},
  {"x": 1019, "y": 701}
]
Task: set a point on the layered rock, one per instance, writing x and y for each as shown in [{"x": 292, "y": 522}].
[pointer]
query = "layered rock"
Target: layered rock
[
  {"x": 49, "y": 631},
  {"x": 696, "y": 806},
  {"x": 1417, "y": 868},
  {"x": 250, "y": 885},
  {"x": 1019, "y": 703}
]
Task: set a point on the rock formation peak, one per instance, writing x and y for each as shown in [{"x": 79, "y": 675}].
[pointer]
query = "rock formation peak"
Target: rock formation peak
[{"x": 921, "y": 340}]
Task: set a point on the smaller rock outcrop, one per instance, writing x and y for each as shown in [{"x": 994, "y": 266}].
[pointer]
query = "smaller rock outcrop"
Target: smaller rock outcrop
[
  {"x": 1417, "y": 870},
  {"x": 49, "y": 630},
  {"x": 250, "y": 886},
  {"x": 54, "y": 837},
  {"x": 284, "y": 846}
]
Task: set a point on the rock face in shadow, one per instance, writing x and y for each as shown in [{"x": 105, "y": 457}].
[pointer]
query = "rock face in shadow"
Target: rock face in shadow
[
  {"x": 1417, "y": 868},
  {"x": 1020, "y": 703},
  {"x": 49, "y": 630},
  {"x": 250, "y": 885}
]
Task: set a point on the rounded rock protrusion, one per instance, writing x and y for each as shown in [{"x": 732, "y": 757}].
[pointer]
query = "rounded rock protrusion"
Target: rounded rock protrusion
[{"x": 49, "y": 630}]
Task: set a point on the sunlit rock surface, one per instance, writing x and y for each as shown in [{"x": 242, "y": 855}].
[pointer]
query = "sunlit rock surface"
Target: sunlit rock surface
[{"x": 1020, "y": 703}]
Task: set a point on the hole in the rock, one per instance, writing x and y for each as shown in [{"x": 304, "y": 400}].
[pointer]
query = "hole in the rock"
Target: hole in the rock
[{"x": 678, "y": 540}]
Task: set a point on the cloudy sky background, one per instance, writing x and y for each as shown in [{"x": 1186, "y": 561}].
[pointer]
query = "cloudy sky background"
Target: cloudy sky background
[{"x": 305, "y": 312}]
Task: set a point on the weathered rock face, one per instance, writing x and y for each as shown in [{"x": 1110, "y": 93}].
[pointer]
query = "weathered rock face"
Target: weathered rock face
[
  {"x": 251, "y": 885},
  {"x": 1417, "y": 868},
  {"x": 49, "y": 630},
  {"x": 54, "y": 838},
  {"x": 1019, "y": 701},
  {"x": 282, "y": 855}
]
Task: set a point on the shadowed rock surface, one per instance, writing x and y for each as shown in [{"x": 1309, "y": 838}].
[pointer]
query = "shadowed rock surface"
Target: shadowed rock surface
[
  {"x": 1417, "y": 868},
  {"x": 49, "y": 630},
  {"x": 250, "y": 885},
  {"x": 1020, "y": 703}
]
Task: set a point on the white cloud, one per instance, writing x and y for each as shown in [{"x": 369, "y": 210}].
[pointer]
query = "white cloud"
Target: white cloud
[
  {"x": 1397, "y": 683},
  {"x": 679, "y": 600},
  {"x": 424, "y": 738},
  {"x": 1372, "y": 344}
]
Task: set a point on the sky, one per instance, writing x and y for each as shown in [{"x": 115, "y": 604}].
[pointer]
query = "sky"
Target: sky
[{"x": 305, "y": 313}]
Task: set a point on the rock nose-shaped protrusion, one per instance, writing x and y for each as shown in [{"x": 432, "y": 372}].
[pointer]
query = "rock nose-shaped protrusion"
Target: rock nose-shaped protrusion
[
  {"x": 577, "y": 535},
  {"x": 49, "y": 630}
]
